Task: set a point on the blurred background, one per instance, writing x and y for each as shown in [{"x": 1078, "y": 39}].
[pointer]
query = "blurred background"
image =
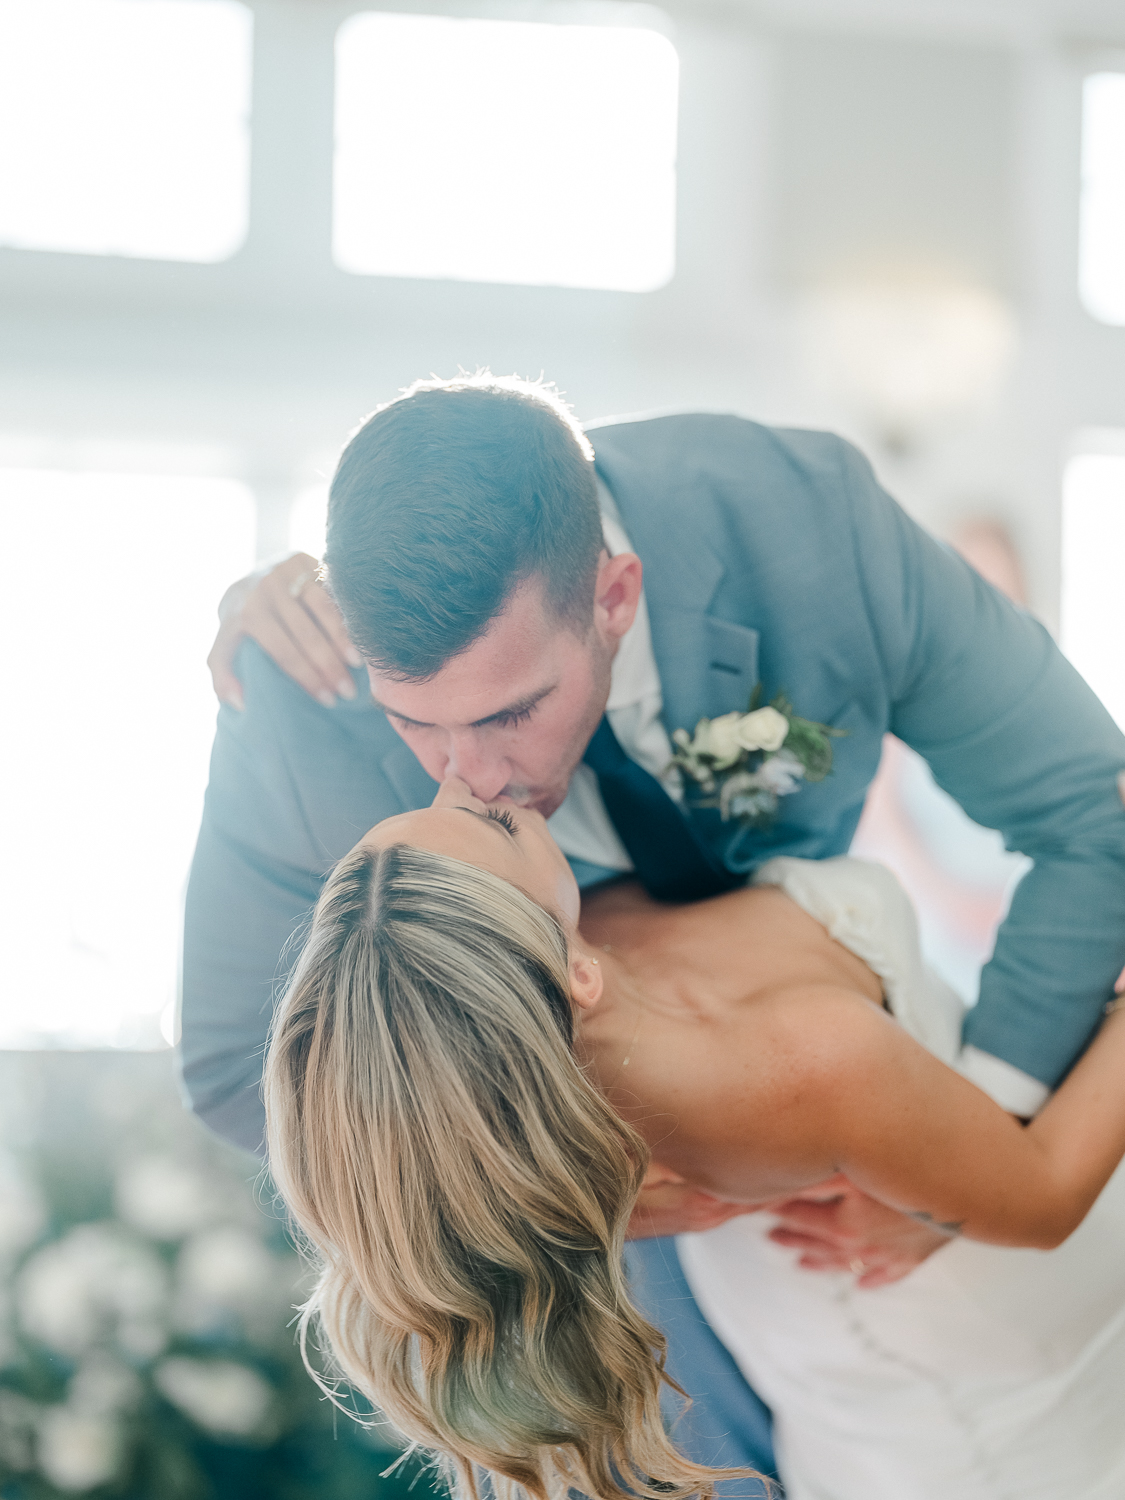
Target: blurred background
[{"x": 227, "y": 231}]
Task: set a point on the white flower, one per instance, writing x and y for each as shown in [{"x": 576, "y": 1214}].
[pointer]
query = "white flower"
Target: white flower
[
  {"x": 720, "y": 740},
  {"x": 764, "y": 729},
  {"x": 228, "y": 1270},
  {"x": 216, "y": 1394},
  {"x": 166, "y": 1198},
  {"x": 94, "y": 1283},
  {"x": 226, "y": 1265},
  {"x": 781, "y": 774},
  {"x": 76, "y": 1450}
]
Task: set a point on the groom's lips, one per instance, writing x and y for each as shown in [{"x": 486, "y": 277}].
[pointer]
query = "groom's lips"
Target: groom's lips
[{"x": 523, "y": 797}]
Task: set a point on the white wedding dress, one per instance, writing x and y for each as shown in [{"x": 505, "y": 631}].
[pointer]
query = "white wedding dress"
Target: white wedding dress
[{"x": 987, "y": 1374}]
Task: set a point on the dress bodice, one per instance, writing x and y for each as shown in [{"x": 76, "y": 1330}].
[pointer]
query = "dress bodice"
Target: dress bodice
[{"x": 863, "y": 906}]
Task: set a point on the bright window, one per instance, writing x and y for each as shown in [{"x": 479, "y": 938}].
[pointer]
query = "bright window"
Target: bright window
[
  {"x": 1101, "y": 257},
  {"x": 505, "y": 151},
  {"x": 107, "y": 622},
  {"x": 1093, "y": 602},
  {"x": 308, "y": 516},
  {"x": 124, "y": 127}
]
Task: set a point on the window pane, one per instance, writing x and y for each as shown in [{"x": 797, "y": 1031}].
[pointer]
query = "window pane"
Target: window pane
[
  {"x": 1093, "y": 602},
  {"x": 124, "y": 127},
  {"x": 308, "y": 516},
  {"x": 1101, "y": 256},
  {"x": 521, "y": 152},
  {"x": 106, "y": 626}
]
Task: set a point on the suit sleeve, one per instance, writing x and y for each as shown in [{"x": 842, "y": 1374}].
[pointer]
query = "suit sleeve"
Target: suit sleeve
[
  {"x": 254, "y": 879},
  {"x": 1016, "y": 736},
  {"x": 243, "y": 913}
]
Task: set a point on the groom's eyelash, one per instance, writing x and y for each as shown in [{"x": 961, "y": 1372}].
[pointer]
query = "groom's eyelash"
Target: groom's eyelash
[{"x": 509, "y": 721}]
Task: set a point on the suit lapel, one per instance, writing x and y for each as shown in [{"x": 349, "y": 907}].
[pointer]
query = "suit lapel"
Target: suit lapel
[{"x": 708, "y": 666}]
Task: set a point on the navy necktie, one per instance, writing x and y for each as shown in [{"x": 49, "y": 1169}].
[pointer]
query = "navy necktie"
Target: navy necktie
[{"x": 670, "y": 861}]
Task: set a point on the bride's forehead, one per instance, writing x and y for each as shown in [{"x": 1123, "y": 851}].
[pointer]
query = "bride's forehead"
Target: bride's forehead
[
  {"x": 445, "y": 830},
  {"x": 385, "y": 831}
]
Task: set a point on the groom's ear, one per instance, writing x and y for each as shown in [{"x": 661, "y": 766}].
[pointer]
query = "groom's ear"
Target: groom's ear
[
  {"x": 585, "y": 980},
  {"x": 617, "y": 592}
]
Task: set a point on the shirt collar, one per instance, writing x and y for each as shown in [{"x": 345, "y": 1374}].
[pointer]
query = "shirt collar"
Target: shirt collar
[{"x": 633, "y": 676}]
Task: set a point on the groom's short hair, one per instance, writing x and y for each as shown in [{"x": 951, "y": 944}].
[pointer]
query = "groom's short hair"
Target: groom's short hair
[{"x": 444, "y": 501}]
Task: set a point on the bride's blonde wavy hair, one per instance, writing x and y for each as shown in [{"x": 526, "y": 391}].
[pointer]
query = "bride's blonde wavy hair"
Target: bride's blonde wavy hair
[{"x": 464, "y": 1186}]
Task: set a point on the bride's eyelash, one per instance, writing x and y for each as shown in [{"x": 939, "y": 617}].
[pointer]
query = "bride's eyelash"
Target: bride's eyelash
[{"x": 502, "y": 816}]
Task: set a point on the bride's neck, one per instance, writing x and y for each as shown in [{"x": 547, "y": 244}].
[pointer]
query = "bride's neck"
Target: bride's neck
[{"x": 606, "y": 1034}]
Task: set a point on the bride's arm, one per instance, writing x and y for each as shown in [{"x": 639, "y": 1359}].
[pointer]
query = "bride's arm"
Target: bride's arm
[{"x": 866, "y": 1100}]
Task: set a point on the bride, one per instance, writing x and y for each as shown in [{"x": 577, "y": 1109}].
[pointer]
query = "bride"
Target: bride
[{"x": 465, "y": 1090}]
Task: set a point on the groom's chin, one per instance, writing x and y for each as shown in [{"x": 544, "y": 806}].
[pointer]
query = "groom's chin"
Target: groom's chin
[{"x": 544, "y": 803}]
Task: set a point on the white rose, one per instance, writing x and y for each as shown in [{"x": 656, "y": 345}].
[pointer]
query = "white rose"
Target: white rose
[
  {"x": 721, "y": 742},
  {"x": 76, "y": 1451},
  {"x": 95, "y": 1281},
  {"x": 217, "y": 1394},
  {"x": 764, "y": 729},
  {"x": 166, "y": 1198}
]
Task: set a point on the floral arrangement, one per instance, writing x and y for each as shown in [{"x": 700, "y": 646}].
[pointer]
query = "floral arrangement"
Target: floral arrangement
[
  {"x": 147, "y": 1295},
  {"x": 743, "y": 764}
]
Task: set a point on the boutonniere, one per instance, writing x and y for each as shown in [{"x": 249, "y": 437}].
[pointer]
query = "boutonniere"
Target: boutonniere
[{"x": 743, "y": 764}]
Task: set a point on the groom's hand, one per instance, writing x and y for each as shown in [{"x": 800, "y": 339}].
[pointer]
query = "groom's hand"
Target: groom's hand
[
  {"x": 666, "y": 1205},
  {"x": 835, "y": 1227},
  {"x": 292, "y": 618}
]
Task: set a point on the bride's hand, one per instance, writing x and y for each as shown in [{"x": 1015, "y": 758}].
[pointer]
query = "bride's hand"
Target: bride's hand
[
  {"x": 287, "y": 611},
  {"x": 837, "y": 1228}
]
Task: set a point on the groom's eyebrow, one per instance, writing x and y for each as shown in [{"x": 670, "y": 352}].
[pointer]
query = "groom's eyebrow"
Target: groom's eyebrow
[{"x": 511, "y": 711}]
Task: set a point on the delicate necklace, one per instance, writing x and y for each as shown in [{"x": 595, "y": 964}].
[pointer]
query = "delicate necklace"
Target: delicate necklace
[{"x": 608, "y": 948}]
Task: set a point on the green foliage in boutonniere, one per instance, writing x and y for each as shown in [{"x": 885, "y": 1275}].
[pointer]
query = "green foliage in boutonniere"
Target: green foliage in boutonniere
[{"x": 743, "y": 764}]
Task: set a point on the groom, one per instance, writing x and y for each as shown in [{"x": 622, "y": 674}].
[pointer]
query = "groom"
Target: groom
[{"x": 491, "y": 576}]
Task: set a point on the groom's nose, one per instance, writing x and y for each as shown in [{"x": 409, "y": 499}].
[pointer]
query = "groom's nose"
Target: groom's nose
[{"x": 487, "y": 775}]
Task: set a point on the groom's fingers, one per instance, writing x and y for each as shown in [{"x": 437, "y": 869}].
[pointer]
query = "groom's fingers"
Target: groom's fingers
[
  {"x": 670, "y": 1207},
  {"x": 821, "y": 1219},
  {"x": 815, "y": 1253}
]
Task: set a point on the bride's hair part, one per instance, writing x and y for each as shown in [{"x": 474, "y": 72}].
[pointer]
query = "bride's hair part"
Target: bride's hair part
[{"x": 465, "y": 1187}]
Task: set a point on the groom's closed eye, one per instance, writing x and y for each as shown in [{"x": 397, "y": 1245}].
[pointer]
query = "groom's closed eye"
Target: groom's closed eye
[{"x": 503, "y": 718}]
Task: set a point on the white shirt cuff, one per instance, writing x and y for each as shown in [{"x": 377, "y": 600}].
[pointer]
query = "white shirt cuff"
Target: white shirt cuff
[{"x": 1013, "y": 1090}]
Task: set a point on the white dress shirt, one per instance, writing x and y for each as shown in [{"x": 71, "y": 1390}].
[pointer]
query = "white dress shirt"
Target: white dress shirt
[{"x": 581, "y": 826}]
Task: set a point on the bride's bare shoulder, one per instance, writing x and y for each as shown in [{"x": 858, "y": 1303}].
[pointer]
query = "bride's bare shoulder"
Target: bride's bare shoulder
[
  {"x": 623, "y": 907},
  {"x": 743, "y": 1104}
]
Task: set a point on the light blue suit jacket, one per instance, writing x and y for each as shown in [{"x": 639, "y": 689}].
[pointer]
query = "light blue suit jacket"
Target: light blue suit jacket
[{"x": 770, "y": 555}]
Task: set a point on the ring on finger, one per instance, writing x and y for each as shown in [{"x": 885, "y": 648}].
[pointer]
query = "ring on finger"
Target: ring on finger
[
  {"x": 297, "y": 587},
  {"x": 856, "y": 1266}
]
